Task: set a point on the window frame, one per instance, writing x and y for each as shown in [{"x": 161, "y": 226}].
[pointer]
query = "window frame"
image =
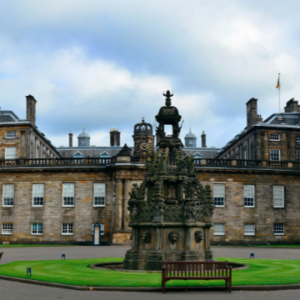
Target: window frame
[
  {"x": 219, "y": 232},
  {"x": 273, "y": 139},
  {"x": 283, "y": 196},
  {"x": 298, "y": 155},
  {"x": 94, "y": 195},
  {"x": 248, "y": 233},
  {"x": 283, "y": 227},
  {"x": 9, "y": 148},
  {"x": 11, "y": 137},
  {"x": 35, "y": 184},
  {"x": 219, "y": 184},
  {"x": 12, "y": 229},
  {"x": 252, "y": 185},
  {"x": 297, "y": 138},
  {"x": 38, "y": 233},
  {"x": 3, "y": 195},
  {"x": 279, "y": 155},
  {"x": 68, "y": 225},
  {"x": 63, "y": 195}
]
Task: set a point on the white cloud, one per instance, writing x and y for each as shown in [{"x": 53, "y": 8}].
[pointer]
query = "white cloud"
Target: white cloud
[{"x": 104, "y": 64}]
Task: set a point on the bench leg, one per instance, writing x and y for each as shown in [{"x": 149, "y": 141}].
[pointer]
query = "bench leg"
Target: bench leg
[
  {"x": 163, "y": 286},
  {"x": 230, "y": 285}
]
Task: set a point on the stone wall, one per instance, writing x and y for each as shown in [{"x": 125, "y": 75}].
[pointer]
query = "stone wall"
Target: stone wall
[
  {"x": 234, "y": 215},
  {"x": 28, "y": 142},
  {"x": 119, "y": 180},
  {"x": 83, "y": 215}
]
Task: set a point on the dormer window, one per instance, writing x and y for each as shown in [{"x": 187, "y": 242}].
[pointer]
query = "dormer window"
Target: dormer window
[{"x": 274, "y": 137}]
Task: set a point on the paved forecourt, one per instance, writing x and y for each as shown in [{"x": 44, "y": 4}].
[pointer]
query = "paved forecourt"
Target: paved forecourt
[
  {"x": 77, "y": 252},
  {"x": 18, "y": 290}
]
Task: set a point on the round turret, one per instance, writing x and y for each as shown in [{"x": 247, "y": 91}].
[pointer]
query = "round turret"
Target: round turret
[
  {"x": 143, "y": 139},
  {"x": 190, "y": 139},
  {"x": 143, "y": 128},
  {"x": 83, "y": 139}
]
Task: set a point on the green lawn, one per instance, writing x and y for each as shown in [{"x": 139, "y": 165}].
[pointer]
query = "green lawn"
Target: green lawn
[
  {"x": 264, "y": 246},
  {"x": 76, "y": 272},
  {"x": 5, "y": 246}
]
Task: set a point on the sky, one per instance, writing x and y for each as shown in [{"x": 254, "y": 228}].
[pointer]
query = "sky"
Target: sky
[{"x": 106, "y": 63}]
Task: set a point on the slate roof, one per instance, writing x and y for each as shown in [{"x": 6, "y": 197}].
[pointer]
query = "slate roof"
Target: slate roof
[
  {"x": 112, "y": 151},
  {"x": 190, "y": 135},
  {"x": 83, "y": 134},
  {"x": 279, "y": 120},
  {"x": 8, "y": 117}
]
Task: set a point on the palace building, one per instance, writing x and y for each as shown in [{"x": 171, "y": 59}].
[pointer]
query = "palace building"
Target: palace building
[{"x": 70, "y": 195}]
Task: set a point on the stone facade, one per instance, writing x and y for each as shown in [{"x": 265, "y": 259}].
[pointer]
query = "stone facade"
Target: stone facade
[
  {"x": 278, "y": 132},
  {"x": 38, "y": 162}
]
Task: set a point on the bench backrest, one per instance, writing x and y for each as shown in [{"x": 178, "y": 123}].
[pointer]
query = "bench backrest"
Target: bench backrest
[
  {"x": 190, "y": 269},
  {"x": 1, "y": 253}
]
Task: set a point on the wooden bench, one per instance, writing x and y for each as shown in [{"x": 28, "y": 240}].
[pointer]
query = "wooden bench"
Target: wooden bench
[
  {"x": 1, "y": 253},
  {"x": 196, "y": 270}
]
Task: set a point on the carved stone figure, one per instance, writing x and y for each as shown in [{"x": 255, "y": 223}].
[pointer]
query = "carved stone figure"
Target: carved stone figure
[
  {"x": 173, "y": 237},
  {"x": 146, "y": 236},
  {"x": 198, "y": 237}
]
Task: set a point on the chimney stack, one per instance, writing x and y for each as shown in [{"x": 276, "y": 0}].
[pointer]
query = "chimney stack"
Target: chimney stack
[
  {"x": 252, "y": 116},
  {"x": 203, "y": 140},
  {"x": 292, "y": 106},
  {"x": 70, "y": 139},
  {"x": 30, "y": 109},
  {"x": 115, "y": 137}
]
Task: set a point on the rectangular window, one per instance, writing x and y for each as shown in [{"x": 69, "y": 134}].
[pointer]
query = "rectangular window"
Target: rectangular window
[
  {"x": 249, "y": 229},
  {"x": 67, "y": 229},
  {"x": 68, "y": 194},
  {"x": 99, "y": 194},
  {"x": 298, "y": 155},
  {"x": 11, "y": 134},
  {"x": 7, "y": 228},
  {"x": 219, "y": 229},
  {"x": 278, "y": 196},
  {"x": 10, "y": 153},
  {"x": 274, "y": 137},
  {"x": 38, "y": 195},
  {"x": 298, "y": 138},
  {"x": 275, "y": 155},
  {"x": 219, "y": 195},
  {"x": 278, "y": 229},
  {"x": 8, "y": 194},
  {"x": 37, "y": 228},
  {"x": 249, "y": 196}
]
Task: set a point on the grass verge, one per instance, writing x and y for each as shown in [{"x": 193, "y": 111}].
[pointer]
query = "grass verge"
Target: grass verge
[
  {"x": 9, "y": 246},
  {"x": 76, "y": 272},
  {"x": 262, "y": 246}
]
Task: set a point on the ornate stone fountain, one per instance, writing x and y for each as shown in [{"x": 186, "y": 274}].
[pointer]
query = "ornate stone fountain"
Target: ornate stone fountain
[{"x": 170, "y": 212}]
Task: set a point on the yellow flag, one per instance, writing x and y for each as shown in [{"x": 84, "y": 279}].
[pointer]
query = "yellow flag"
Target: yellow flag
[{"x": 278, "y": 83}]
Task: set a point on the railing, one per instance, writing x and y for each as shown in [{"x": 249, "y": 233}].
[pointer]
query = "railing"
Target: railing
[
  {"x": 57, "y": 161},
  {"x": 199, "y": 163},
  {"x": 247, "y": 163}
]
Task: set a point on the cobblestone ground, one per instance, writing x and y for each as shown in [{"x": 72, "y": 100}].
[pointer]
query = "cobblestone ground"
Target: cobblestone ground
[{"x": 14, "y": 290}]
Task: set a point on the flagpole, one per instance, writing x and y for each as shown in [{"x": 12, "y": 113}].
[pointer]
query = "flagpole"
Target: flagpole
[{"x": 279, "y": 90}]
